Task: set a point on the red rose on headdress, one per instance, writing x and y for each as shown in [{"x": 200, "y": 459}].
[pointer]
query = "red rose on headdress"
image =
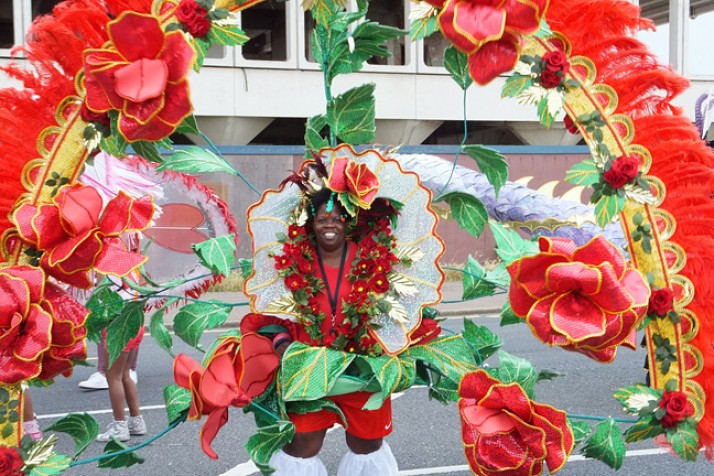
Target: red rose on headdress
[
  {"x": 585, "y": 299},
  {"x": 504, "y": 432},
  {"x": 77, "y": 236},
  {"x": 296, "y": 281},
  {"x": 145, "y": 80},
  {"x": 41, "y": 328},
  {"x": 379, "y": 284},
  {"x": 195, "y": 17},
  {"x": 661, "y": 302},
  {"x": 10, "y": 461},
  {"x": 677, "y": 406},
  {"x": 349, "y": 176},
  {"x": 624, "y": 169},
  {"x": 283, "y": 262},
  {"x": 489, "y": 32}
]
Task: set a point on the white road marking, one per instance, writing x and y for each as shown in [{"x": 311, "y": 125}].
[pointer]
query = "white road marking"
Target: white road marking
[{"x": 97, "y": 412}]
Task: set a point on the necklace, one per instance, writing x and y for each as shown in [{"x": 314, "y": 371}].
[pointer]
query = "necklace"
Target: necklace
[{"x": 332, "y": 297}]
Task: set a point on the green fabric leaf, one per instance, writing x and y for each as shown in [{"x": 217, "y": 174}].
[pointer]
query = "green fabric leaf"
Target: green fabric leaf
[
  {"x": 229, "y": 35},
  {"x": 684, "y": 441},
  {"x": 267, "y": 441},
  {"x": 475, "y": 286},
  {"x": 607, "y": 208},
  {"x": 468, "y": 211},
  {"x": 508, "y": 317},
  {"x": 392, "y": 372},
  {"x": 484, "y": 342},
  {"x": 492, "y": 163},
  {"x": 509, "y": 244},
  {"x": 544, "y": 115},
  {"x": 189, "y": 126},
  {"x": 636, "y": 397},
  {"x": 158, "y": 329},
  {"x": 194, "y": 318},
  {"x": 313, "y": 137},
  {"x": 246, "y": 267},
  {"x": 457, "y": 64},
  {"x": 606, "y": 444},
  {"x": 444, "y": 390},
  {"x": 217, "y": 254},
  {"x": 351, "y": 115},
  {"x": 56, "y": 464},
  {"x": 581, "y": 430},
  {"x": 82, "y": 427},
  {"x": 324, "y": 10},
  {"x": 515, "y": 85},
  {"x": 512, "y": 369},
  {"x": 201, "y": 45},
  {"x": 178, "y": 401},
  {"x": 423, "y": 27},
  {"x": 451, "y": 356},
  {"x": 196, "y": 160},
  {"x": 104, "y": 304},
  {"x": 147, "y": 150},
  {"x": 114, "y": 144},
  {"x": 643, "y": 429},
  {"x": 584, "y": 173},
  {"x": 123, "y": 460},
  {"x": 124, "y": 328},
  {"x": 308, "y": 373}
]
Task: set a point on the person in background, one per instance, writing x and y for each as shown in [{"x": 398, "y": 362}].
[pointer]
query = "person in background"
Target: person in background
[
  {"x": 29, "y": 419},
  {"x": 98, "y": 380}
]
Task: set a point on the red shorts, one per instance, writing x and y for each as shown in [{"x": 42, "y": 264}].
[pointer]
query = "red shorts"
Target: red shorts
[{"x": 365, "y": 424}]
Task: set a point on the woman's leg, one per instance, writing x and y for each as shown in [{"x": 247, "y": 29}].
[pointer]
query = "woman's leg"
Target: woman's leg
[
  {"x": 117, "y": 396},
  {"x": 130, "y": 391}
]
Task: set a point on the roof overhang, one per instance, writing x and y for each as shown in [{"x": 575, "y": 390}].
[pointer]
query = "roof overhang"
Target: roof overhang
[{"x": 658, "y": 10}]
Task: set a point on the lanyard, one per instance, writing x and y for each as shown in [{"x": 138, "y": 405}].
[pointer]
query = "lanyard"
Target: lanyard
[{"x": 332, "y": 298}]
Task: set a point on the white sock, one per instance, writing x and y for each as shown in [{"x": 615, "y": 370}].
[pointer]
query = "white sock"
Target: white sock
[
  {"x": 286, "y": 465},
  {"x": 380, "y": 462}
]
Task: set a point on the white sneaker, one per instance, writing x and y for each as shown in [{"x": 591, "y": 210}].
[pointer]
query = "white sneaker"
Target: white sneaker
[
  {"x": 117, "y": 429},
  {"x": 96, "y": 381},
  {"x": 134, "y": 376},
  {"x": 136, "y": 425}
]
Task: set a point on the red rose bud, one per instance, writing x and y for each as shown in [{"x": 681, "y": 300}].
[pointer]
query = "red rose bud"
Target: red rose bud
[
  {"x": 570, "y": 125},
  {"x": 194, "y": 17},
  {"x": 624, "y": 169},
  {"x": 556, "y": 61},
  {"x": 660, "y": 302},
  {"x": 549, "y": 79},
  {"x": 677, "y": 406}
]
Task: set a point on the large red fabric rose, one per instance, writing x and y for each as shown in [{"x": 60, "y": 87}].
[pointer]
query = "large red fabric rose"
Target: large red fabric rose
[
  {"x": 10, "y": 461},
  {"x": 489, "y": 32},
  {"x": 77, "y": 236},
  {"x": 41, "y": 328},
  {"x": 507, "y": 434},
  {"x": 677, "y": 407},
  {"x": 586, "y": 299},
  {"x": 146, "y": 81},
  {"x": 236, "y": 372},
  {"x": 349, "y": 176}
]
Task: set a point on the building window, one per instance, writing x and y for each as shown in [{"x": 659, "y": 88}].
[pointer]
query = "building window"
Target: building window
[
  {"x": 7, "y": 25},
  {"x": 265, "y": 24},
  {"x": 434, "y": 47},
  {"x": 43, "y": 7}
]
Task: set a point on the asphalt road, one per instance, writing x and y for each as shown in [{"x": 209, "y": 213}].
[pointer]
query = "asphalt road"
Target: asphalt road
[{"x": 426, "y": 438}]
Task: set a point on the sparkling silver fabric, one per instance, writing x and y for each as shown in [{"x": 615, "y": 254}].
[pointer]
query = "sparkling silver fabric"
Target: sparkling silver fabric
[{"x": 415, "y": 229}]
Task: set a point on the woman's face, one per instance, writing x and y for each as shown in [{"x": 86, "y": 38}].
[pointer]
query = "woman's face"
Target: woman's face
[{"x": 329, "y": 228}]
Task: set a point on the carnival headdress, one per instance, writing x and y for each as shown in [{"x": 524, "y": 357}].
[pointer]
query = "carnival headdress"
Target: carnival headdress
[{"x": 357, "y": 179}]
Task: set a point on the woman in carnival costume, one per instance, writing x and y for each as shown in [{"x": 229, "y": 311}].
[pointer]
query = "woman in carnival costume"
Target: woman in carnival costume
[{"x": 345, "y": 279}]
